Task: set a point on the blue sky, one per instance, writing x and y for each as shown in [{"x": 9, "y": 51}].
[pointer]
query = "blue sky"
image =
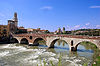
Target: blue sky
[{"x": 52, "y": 14}]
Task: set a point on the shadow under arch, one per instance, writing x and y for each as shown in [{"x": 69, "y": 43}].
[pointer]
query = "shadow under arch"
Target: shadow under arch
[
  {"x": 39, "y": 41},
  {"x": 14, "y": 40},
  {"x": 87, "y": 44},
  {"x": 24, "y": 41},
  {"x": 55, "y": 40}
]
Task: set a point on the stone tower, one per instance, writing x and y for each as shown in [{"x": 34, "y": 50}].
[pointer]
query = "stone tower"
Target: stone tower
[
  {"x": 15, "y": 19},
  {"x": 12, "y": 24}
]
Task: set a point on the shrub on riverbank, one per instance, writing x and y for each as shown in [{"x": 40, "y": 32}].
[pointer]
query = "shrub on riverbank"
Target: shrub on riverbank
[{"x": 97, "y": 62}]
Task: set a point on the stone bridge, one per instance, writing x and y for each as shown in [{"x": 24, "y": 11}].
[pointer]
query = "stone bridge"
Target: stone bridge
[{"x": 72, "y": 40}]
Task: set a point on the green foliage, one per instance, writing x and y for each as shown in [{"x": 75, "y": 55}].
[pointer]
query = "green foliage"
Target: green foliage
[
  {"x": 46, "y": 31},
  {"x": 38, "y": 28},
  {"x": 44, "y": 62},
  {"x": 97, "y": 61},
  {"x": 63, "y": 28},
  {"x": 19, "y": 31},
  {"x": 98, "y": 58},
  {"x": 42, "y": 42},
  {"x": 85, "y": 64},
  {"x": 64, "y": 32},
  {"x": 90, "y": 32},
  {"x": 40, "y": 60},
  {"x": 89, "y": 45},
  {"x": 51, "y": 63},
  {"x": 68, "y": 32},
  {"x": 59, "y": 63},
  {"x": 59, "y": 29},
  {"x": 94, "y": 65}
]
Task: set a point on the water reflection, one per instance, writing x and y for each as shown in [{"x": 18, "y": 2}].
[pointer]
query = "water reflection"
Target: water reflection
[{"x": 82, "y": 50}]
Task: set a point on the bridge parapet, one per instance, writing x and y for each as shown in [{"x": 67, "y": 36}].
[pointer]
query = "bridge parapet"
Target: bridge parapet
[{"x": 50, "y": 35}]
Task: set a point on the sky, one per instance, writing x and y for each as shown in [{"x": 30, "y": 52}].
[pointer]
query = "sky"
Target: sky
[{"x": 52, "y": 14}]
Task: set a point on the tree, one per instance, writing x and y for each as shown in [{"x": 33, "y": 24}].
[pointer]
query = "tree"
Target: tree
[
  {"x": 46, "y": 31},
  {"x": 64, "y": 32},
  {"x": 38, "y": 28},
  {"x": 63, "y": 28},
  {"x": 59, "y": 30}
]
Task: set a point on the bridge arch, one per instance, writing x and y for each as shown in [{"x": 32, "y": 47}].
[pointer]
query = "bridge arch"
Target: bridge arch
[
  {"x": 76, "y": 46},
  {"x": 24, "y": 41},
  {"x": 36, "y": 40},
  {"x": 14, "y": 40},
  {"x": 55, "y": 40}
]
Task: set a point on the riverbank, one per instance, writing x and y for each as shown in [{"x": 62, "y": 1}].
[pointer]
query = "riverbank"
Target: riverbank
[
  {"x": 4, "y": 43},
  {"x": 97, "y": 61}
]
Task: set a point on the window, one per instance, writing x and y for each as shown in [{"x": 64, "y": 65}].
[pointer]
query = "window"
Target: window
[
  {"x": 5, "y": 26},
  {"x": 30, "y": 37},
  {"x": 72, "y": 43},
  {"x": 4, "y": 30}
]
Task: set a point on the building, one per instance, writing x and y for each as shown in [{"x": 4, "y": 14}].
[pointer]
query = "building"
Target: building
[
  {"x": 21, "y": 30},
  {"x": 4, "y": 34},
  {"x": 38, "y": 30},
  {"x": 13, "y": 24},
  {"x": 12, "y": 28},
  {"x": 4, "y": 31}
]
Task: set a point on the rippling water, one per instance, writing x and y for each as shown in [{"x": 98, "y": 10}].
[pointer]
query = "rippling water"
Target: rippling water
[{"x": 23, "y": 55}]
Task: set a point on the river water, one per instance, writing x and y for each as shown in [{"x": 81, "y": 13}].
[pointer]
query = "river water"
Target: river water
[{"x": 23, "y": 55}]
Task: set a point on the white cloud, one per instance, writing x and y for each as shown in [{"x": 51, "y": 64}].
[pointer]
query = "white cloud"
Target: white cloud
[
  {"x": 83, "y": 28},
  {"x": 46, "y": 8},
  {"x": 67, "y": 26},
  {"x": 87, "y": 24},
  {"x": 77, "y": 26},
  {"x": 97, "y": 26},
  {"x": 94, "y": 6}
]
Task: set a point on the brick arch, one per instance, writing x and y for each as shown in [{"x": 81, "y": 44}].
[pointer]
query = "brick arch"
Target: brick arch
[
  {"x": 38, "y": 38},
  {"x": 78, "y": 43},
  {"x": 53, "y": 41},
  {"x": 17, "y": 39},
  {"x": 14, "y": 40},
  {"x": 22, "y": 41}
]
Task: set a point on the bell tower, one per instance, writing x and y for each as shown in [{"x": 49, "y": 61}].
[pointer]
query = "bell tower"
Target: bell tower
[
  {"x": 13, "y": 24},
  {"x": 15, "y": 19}
]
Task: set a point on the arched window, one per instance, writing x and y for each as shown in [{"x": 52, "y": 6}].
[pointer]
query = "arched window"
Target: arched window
[
  {"x": 72, "y": 43},
  {"x": 30, "y": 37}
]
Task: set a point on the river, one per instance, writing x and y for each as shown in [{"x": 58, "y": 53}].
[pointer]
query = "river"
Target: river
[{"x": 23, "y": 55}]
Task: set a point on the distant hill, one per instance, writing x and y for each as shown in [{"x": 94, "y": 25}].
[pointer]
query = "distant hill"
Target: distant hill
[{"x": 90, "y": 32}]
